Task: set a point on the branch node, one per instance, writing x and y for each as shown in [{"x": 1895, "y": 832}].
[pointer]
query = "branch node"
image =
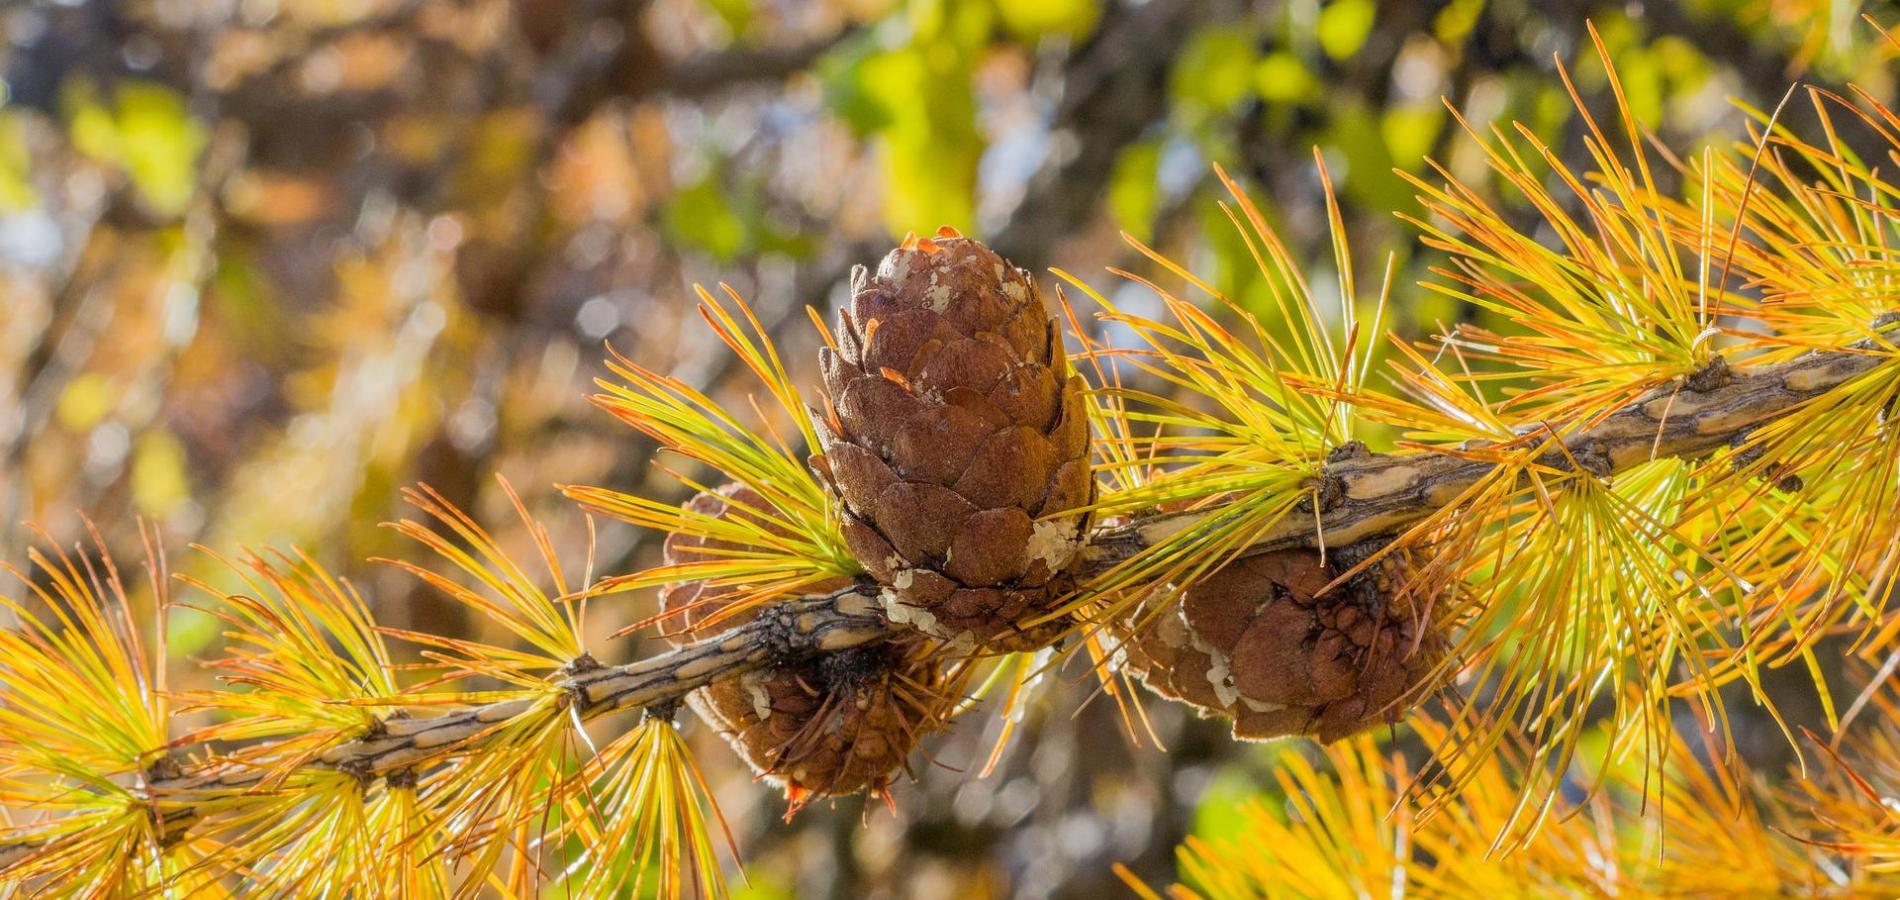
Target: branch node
[
  {"x": 169, "y": 825},
  {"x": 1746, "y": 454},
  {"x": 1592, "y": 456},
  {"x": 778, "y": 630},
  {"x": 360, "y": 769},
  {"x": 1711, "y": 377},
  {"x": 574, "y": 695},
  {"x": 1350, "y": 451},
  {"x": 164, "y": 768},
  {"x": 581, "y": 665},
  {"x": 852, "y": 667},
  {"x": 665, "y": 710},
  {"x": 1345, "y": 558},
  {"x": 1328, "y": 490}
]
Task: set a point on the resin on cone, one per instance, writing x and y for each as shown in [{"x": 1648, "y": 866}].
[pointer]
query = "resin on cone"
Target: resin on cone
[
  {"x": 956, "y": 438},
  {"x": 1258, "y": 643},
  {"x": 839, "y": 724}
]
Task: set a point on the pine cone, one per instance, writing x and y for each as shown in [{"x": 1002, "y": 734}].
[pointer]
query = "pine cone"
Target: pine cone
[
  {"x": 1252, "y": 641},
  {"x": 846, "y": 722},
  {"x": 955, "y": 436},
  {"x": 839, "y": 724}
]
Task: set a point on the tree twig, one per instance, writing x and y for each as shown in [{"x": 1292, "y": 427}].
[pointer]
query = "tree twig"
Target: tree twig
[
  {"x": 1384, "y": 494},
  {"x": 782, "y": 633},
  {"x": 1379, "y": 495}
]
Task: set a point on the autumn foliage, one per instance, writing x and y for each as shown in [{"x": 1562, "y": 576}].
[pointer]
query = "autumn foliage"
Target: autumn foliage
[{"x": 1498, "y": 591}]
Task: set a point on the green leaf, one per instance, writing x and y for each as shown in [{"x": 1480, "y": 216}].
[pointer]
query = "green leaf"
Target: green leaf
[
  {"x": 848, "y": 91},
  {"x": 16, "y": 182},
  {"x": 159, "y": 483},
  {"x": 1233, "y": 271},
  {"x": 928, "y": 184},
  {"x": 86, "y": 402},
  {"x": 963, "y": 28},
  {"x": 1685, "y": 66},
  {"x": 737, "y": 14},
  {"x": 1218, "y": 813},
  {"x": 1456, "y": 20},
  {"x": 190, "y": 632},
  {"x": 90, "y": 122},
  {"x": 1368, "y": 178},
  {"x": 1643, "y": 85},
  {"x": 146, "y": 132},
  {"x": 1344, "y": 25},
  {"x": 1029, "y": 21},
  {"x": 1282, "y": 78},
  {"x": 1410, "y": 131},
  {"x": 1134, "y": 191},
  {"x": 1215, "y": 70},
  {"x": 918, "y": 102},
  {"x": 930, "y": 144},
  {"x": 701, "y": 216}
]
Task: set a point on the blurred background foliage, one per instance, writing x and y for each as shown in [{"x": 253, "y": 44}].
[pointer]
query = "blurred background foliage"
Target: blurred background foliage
[{"x": 264, "y": 262}]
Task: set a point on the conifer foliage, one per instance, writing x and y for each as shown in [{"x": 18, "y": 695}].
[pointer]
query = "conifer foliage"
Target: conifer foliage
[{"x": 1543, "y": 548}]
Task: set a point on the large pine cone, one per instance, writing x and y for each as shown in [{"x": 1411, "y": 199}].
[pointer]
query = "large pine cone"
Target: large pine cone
[
  {"x": 1253, "y": 641},
  {"x": 839, "y": 724},
  {"x": 956, "y": 433}
]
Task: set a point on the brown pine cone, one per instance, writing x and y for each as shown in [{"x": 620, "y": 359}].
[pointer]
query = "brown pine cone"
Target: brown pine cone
[
  {"x": 842, "y": 723},
  {"x": 846, "y": 722},
  {"x": 1252, "y": 641},
  {"x": 954, "y": 436}
]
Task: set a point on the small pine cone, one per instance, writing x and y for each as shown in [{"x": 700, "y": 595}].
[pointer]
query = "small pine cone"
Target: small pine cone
[
  {"x": 848, "y": 721},
  {"x": 956, "y": 434},
  {"x": 839, "y": 724},
  {"x": 1252, "y": 641}
]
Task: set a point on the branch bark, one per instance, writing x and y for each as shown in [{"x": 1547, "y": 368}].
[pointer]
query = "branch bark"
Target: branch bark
[
  {"x": 1385, "y": 494},
  {"x": 1379, "y": 495},
  {"x": 790, "y": 631}
]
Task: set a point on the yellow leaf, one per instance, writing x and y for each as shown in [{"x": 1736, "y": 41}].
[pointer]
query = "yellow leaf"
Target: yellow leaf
[
  {"x": 159, "y": 482},
  {"x": 1029, "y": 21},
  {"x": 147, "y": 132},
  {"x": 16, "y": 183},
  {"x": 1282, "y": 78},
  {"x": 85, "y": 402},
  {"x": 1343, "y": 27}
]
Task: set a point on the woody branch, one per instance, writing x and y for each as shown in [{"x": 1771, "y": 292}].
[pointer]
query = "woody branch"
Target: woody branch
[{"x": 1373, "y": 495}]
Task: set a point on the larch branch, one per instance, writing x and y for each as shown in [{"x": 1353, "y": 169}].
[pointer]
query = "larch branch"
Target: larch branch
[{"x": 1379, "y": 494}]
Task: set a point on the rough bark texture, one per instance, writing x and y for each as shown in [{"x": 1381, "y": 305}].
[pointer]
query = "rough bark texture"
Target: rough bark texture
[{"x": 1384, "y": 494}]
